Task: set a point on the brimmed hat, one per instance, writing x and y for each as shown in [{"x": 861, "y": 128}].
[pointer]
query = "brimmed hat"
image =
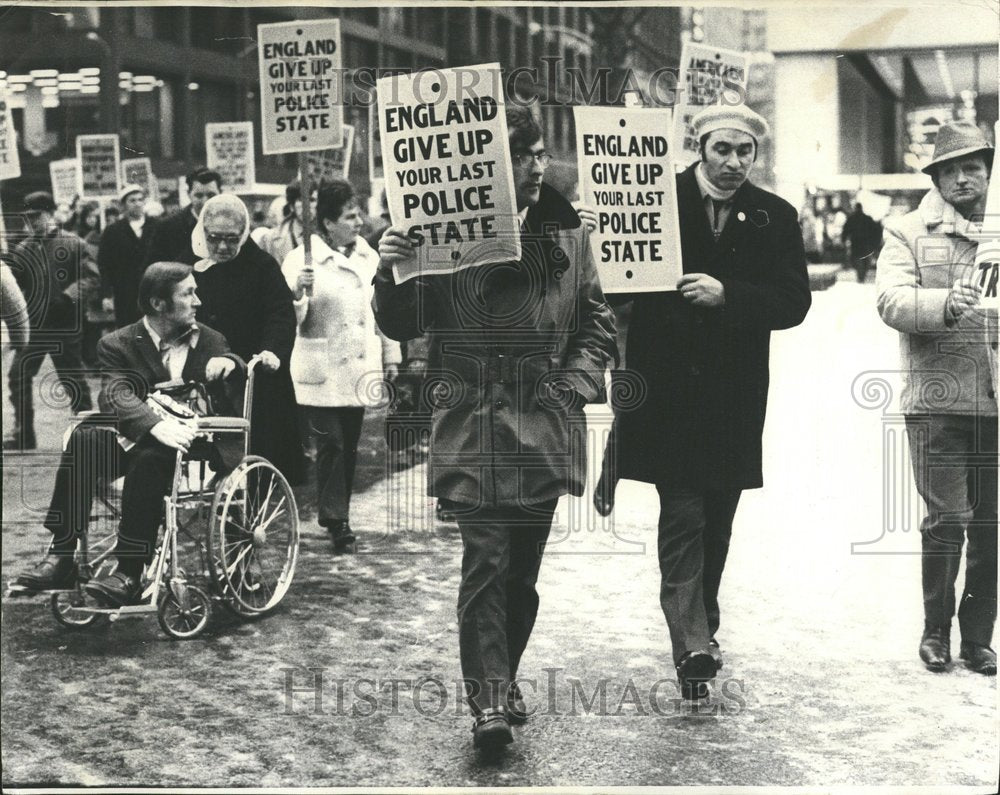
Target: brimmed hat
[
  {"x": 958, "y": 139},
  {"x": 39, "y": 202},
  {"x": 730, "y": 117},
  {"x": 128, "y": 190}
]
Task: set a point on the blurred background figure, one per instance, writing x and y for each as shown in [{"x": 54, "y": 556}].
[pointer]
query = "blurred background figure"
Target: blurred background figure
[
  {"x": 863, "y": 238},
  {"x": 812, "y": 235},
  {"x": 55, "y": 272},
  {"x": 122, "y": 257},
  {"x": 340, "y": 356},
  {"x": 171, "y": 240},
  {"x": 280, "y": 241},
  {"x": 14, "y": 311}
]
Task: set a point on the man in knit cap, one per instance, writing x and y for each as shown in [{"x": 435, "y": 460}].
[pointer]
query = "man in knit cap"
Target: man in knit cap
[{"x": 701, "y": 352}]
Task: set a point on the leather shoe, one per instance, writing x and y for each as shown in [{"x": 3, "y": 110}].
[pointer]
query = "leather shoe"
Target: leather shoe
[
  {"x": 694, "y": 671},
  {"x": 517, "y": 710},
  {"x": 979, "y": 658},
  {"x": 115, "y": 590},
  {"x": 55, "y": 570},
  {"x": 716, "y": 652},
  {"x": 491, "y": 731},
  {"x": 935, "y": 647},
  {"x": 342, "y": 537}
]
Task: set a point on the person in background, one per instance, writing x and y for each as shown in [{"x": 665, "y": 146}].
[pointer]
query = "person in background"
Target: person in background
[
  {"x": 862, "y": 235},
  {"x": 55, "y": 272},
  {"x": 245, "y": 297},
  {"x": 14, "y": 311},
  {"x": 288, "y": 234},
  {"x": 340, "y": 356},
  {"x": 171, "y": 239},
  {"x": 88, "y": 224},
  {"x": 924, "y": 283},
  {"x": 122, "y": 256},
  {"x": 812, "y": 235}
]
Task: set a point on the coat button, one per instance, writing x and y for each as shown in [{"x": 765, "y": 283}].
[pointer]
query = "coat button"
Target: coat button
[{"x": 499, "y": 404}]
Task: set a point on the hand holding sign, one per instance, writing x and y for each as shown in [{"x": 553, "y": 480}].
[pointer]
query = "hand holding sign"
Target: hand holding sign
[{"x": 395, "y": 247}]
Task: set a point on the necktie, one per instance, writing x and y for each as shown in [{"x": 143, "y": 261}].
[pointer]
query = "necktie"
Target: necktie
[{"x": 717, "y": 205}]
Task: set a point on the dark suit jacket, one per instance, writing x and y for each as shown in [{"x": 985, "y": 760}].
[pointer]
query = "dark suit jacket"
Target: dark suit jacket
[
  {"x": 703, "y": 372},
  {"x": 171, "y": 240},
  {"x": 130, "y": 367},
  {"x": 122, "y": 259}
]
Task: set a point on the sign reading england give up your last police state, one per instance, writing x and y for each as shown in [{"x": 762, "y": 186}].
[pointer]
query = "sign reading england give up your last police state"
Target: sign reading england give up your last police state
[{"x": 300, "y": 97}]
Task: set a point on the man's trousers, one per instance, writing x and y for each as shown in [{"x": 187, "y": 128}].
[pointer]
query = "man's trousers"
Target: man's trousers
[
  {"x": 497, "y": 600},
  {"x": 955, "y": 469},
  {"x": 693, "y": 542}
]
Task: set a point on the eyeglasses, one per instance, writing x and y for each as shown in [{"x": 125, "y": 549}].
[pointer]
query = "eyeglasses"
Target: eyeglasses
[
  {"x": 525, "y": 159},
  {"x": 229, "y": 240}
]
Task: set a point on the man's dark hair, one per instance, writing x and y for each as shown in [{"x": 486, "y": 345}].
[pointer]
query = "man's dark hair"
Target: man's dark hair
[
  {"x": 986, "y": 156},
  {"x": 331, "y": 199},
  {"x": 203, "y": 176},
  {"x": 704, "y": 139},
  {"x": 522, "y": 128},
  {"x": 158, "y": 282}
]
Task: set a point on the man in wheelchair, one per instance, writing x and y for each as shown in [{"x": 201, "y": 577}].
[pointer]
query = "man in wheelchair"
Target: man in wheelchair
[{"x": 130, "y": 437}]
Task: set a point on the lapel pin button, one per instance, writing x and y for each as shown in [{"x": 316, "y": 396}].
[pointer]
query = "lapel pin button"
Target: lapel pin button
[{"x": 742, "y": 216}]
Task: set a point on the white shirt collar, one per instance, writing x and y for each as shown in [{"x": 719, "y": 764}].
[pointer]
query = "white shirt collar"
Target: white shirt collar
[{"x": 192, "y": 337}]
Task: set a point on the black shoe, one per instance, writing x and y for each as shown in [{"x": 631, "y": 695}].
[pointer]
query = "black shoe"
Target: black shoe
[
  {"x": 54, "y": 571},
  {"x": 978, "y": 658},
  {"x": 491, "y": 731},
  {"x": 935, "y": 647},
  {"x": 342, "y": 536},
  {"x": 517, "y": 710},
  {"x": 694, "y": 671},
  {"x": 114, "y": 590},
  {"x": 715, "y": 651}
]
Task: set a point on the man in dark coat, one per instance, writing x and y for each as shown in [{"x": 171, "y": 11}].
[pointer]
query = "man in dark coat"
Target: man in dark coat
[
  {"x": 517, "y": 349},
  {"x": 702, "y": 353},
  {"x": 863, "y": 235},
  {"x": 165, "y": 345},
  {"x": 246, "y": 298},
  {"x": 123, "y": 255},
  {"x": 56, "y": 274},
  {"x": 171, "y": 241}
]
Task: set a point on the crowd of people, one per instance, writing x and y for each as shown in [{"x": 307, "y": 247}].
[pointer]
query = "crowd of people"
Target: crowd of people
[{"x": 197, "y": 295}]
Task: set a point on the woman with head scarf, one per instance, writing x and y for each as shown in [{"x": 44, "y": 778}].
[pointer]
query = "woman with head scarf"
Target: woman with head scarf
[
  {"x": 245, "y": 298},
  {"x": 340, "y": 357}
]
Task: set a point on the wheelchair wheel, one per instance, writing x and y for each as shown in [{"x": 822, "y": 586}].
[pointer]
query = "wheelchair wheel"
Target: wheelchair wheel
[
  {"x": 66, "y": 608},
  {"x": 184, "y": 611},
  {"x": 253, "y": 537}
]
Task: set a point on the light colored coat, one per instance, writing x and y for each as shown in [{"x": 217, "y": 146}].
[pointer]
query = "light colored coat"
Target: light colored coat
[
  {"x": 945, "y": 365},
  {"x": 339, "y": 354}
]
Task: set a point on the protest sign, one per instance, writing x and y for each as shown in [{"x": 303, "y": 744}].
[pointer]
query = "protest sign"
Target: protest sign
[
  {"x": 100, "y": 170},
  {"x": 709, "y": 75},
  {"x": 627, "y": 176},
  {"x": 448, "y": 174},
  {"x": 65, "y": 177},
  {"x": 139, "y": 171},
  {"x": 10, "y": 162},
  {"x": 300, "y": 103},
  {"x": 987, "y": 268},
  {"x": 330, "y": 164},
  {"x": 229, "y": 150}
]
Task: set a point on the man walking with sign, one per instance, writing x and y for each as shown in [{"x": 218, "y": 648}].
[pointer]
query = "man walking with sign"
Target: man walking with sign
[
  {"x": 702, "y": 353},
  {"x": 925, "y": 291},
  {"x": 517, "y": 349}
]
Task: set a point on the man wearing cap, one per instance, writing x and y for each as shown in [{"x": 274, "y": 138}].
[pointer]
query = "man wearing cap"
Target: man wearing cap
[
  {"x": 701, "y": 352},
  {"x": 925, "y": 291},
  {"x": 54, "y": 270},
  {"x": 171, "y": 239},
  {"x": 122, "y": 256}
]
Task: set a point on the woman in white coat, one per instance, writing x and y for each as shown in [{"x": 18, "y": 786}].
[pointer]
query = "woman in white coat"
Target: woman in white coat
[{"x": 340, "y": 357}]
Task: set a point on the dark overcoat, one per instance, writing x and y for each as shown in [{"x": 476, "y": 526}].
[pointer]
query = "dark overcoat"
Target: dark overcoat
[
  {"x": 122, "y": 258},
  {"x": 515, "y": 349},
  {"x": 171, "y": 239},
  {"x": 700, "y": 375},
  {"x": 248, "y": 301}
]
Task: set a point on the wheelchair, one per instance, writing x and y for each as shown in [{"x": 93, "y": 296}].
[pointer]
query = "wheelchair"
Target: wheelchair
[{"x": 246, "y": 558}]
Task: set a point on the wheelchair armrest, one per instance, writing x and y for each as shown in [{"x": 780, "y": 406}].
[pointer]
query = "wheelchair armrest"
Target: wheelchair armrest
[{"x": 222, "y": 424}]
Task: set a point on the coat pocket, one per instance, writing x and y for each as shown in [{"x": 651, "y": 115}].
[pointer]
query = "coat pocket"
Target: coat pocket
[{"x": 310, "y": 360}]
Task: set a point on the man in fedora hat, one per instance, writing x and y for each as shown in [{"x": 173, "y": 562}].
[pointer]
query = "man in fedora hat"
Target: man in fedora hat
[
  {"x": 56, "y": 273},
  {"x": 925, "y": 291},
  {"x": 702, "y": 353},
  {"x": 122, "y": 256}
]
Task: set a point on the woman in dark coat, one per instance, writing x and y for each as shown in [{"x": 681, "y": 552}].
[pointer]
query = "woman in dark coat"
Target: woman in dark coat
[{"x": 245, "y": 297}]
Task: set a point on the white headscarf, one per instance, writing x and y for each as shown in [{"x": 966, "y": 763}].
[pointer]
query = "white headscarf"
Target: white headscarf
[{"x": 224, "y": 203}]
